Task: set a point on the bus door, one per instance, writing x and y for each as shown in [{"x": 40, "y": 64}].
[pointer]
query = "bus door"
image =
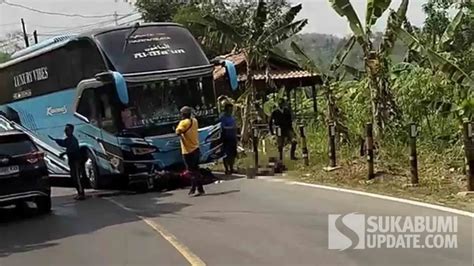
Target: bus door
[{"x": 98, "y": 105}]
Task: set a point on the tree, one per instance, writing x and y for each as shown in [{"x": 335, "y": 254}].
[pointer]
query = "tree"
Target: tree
[
  {"x": 235, "y": 13},
  {"x": 436, "y": 19},
  {"x": 440, "y": 60},
  {"x": 213, "y": 42},
  {"x": 454, "y": 36},
  {"x": 257, "y": 37},
  {"x": 4, "y": 57},
  {"x": 376, "y": 59},
  {"x": 158, "y": 11},
  {"x": 334, "y": 113}
]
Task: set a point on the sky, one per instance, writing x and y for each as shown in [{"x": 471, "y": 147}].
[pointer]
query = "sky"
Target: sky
[{"x": 321, "y": 17}]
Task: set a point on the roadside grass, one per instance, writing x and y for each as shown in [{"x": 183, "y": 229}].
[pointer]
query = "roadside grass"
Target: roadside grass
[{"x": 440, "y": 176}]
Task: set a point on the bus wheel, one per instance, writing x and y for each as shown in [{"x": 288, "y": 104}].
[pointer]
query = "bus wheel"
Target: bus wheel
[{"x": 91, "y": 172}]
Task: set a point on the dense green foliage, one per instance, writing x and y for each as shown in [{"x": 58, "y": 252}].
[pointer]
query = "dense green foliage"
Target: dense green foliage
[
  {"x": 4, "y": 57},
  {"x": 422, "y": 72}
]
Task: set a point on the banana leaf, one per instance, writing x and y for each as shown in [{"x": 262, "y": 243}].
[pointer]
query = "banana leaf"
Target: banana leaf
[
  {"x": 286, "y": 18},
  {"x": 451, "y": 30},
  {"x": 342, "y": 53},
  {"x": 221, "y": 26},
  {"x": 303, "y": 59},
  {"x": 453, "y": 71},
  {"x": 356, "y": 73},
  {"x": 375, "y": 9},
  {"x": 344, "y": 9},
  {"x": 283, "y": 33},
  {"x": 259, "y": 19},
  {"x": 395, "y": 21}
]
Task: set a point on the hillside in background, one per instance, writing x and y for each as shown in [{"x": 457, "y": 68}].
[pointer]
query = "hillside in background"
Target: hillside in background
[{"x": 323, "y": 47}]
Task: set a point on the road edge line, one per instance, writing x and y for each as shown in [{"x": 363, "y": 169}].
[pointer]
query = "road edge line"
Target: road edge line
[
  {"x": 192, "y": 258},
  {"x": 368, "y": 194},
  {"x": 390, "y": 198}
]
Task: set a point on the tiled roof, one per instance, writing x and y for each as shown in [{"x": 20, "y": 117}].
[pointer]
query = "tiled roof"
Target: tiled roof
[
  {"x": 238, "y": 59},
  {"x": 281, "y": 74}
]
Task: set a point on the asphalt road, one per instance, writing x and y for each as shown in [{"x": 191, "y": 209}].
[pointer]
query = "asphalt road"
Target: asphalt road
[{"x": 239, "y": 222}]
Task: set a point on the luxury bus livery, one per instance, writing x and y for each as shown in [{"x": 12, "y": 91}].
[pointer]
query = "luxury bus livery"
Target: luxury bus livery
[{"x": 122, "y": 88}]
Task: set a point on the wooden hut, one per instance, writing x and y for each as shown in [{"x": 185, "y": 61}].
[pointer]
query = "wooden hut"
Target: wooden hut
[{"x": 284, "y": 73}]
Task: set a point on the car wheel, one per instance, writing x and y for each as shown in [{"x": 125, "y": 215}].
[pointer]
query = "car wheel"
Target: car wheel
[
  {"x": 92, "y": 175},
  {"x": 43, "y": 204}
]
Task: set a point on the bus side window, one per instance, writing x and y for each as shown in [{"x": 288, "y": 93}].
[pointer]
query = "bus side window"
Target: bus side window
[
  {"x": 87, "y": 106},
  {"x": 108, "y": 120}
]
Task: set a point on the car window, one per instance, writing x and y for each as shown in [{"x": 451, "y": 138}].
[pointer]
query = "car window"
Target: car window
[{"x": 15, "y": 146}]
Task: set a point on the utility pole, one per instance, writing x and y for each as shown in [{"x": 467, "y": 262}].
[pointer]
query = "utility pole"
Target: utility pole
[
  {"x": 25, "y": 35},
  {"x": 116, "y": 18},
  {"x": 35, "y": 35}
]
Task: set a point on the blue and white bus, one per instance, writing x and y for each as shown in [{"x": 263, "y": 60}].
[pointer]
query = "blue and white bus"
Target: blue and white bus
[{"x": 122, "y": 88}]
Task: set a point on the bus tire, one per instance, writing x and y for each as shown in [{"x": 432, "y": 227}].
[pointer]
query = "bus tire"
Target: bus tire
[{"x": 92, "y": 174}]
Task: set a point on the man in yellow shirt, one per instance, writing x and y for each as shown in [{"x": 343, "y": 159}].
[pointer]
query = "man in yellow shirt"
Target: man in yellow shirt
[{"x": 188, "y": 131}]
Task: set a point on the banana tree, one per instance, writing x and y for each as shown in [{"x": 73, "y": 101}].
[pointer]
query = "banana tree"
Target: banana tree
[
  {"x": 376, "y": 61},
  {"x": 437, "y": 61},
  {"x": 435, "y": 55},
  {"x": 335, "y": 114},
  {"x": 257, "y": 38}
]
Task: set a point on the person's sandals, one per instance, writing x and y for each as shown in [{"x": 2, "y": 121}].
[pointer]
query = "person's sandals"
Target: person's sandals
[
  {"x": 199, "y": 194},
  {"x": 80, "y": 197}
]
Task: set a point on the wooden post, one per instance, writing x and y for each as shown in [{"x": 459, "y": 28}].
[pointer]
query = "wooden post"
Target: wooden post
[
  {"x": 413, "y": 154},
  {"x": 332, "y": 144},
  {"x": 280, "y": 143},
  {"x": 315, "y": 103},
  {"x": 255, "y": 147},
  {"x": 304, "y": 146},
  {"x": 370, "y": 151},
  {"x": 469, "y": 152}
]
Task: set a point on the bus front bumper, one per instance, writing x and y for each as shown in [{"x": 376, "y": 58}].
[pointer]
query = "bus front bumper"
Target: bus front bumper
[{"x": 145, "y": 171}]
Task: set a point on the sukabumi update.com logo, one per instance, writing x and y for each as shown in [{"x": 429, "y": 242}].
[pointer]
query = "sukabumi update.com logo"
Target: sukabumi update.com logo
[{"x": 359, "y": 231}]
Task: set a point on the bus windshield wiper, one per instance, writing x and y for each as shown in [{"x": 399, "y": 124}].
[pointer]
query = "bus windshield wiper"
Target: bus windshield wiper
[{"x": 135, "y": 28}]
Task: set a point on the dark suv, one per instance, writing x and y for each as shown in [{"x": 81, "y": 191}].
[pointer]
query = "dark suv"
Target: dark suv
[{"x": 23, "y": 172}]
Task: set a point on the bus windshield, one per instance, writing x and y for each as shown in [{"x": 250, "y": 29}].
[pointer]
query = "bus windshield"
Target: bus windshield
[
  {"x": 151, "y": 48},
  {"x": 154, "y": 107}
]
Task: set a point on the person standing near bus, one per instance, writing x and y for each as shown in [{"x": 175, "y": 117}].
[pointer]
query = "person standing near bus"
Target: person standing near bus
[
  {"x": 188, "y": 131},
  {"x": 229, "y": 138},
  {"x": 74, "y": 158}
]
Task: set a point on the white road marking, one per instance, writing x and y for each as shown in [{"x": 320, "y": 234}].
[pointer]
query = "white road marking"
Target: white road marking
[
  {"x": 192, "y": 258},
  {"x": 400, "y": 200},
  {"x": 373, "y": 195}
]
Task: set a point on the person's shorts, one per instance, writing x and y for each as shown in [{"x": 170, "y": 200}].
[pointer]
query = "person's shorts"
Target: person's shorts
[
  {"x": 229, "y": 148},
  {"x": 287, "y": 137},
  {"x": 191, "y": 160}
]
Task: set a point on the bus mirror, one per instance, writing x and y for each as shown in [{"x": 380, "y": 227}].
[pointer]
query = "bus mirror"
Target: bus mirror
[
  {"x": 218, "y": 61},
  {"x": 232, "y": 74},
  {"x": 119, "y": 83},
  {"x": 121, "y": 87},
  {"x": 105, "y": 77}
]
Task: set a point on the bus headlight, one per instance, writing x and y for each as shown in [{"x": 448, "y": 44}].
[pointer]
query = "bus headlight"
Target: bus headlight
[{"x": 115, "y": 162}]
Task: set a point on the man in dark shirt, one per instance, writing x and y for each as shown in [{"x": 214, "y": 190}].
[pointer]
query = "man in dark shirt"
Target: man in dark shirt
[
  {"x": 283, "y": 118},
  {"x": 229, "y": 138},
  {"x": 74, "y": 158}
]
